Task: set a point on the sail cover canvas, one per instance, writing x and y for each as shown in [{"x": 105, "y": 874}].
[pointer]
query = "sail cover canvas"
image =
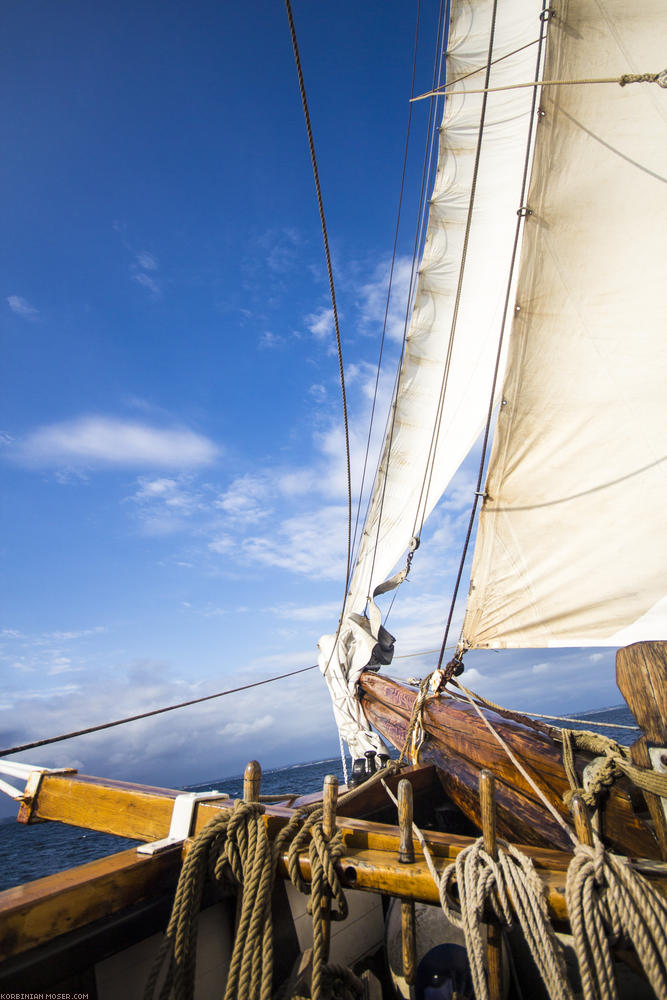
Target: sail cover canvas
[{"x": 572, "y": 547}]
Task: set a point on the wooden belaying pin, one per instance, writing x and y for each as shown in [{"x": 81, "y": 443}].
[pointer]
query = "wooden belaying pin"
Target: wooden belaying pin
[
  {"x": 487, "y": 801},
  {"x": 406, "y": 856},
  {"x": 329, "y": 802},
  {"x": 582, "y": 821},
  {"x": 252, "y": 780}
]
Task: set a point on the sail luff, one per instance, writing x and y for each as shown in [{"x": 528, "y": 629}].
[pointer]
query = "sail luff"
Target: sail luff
[
  {"x": 431, "y": 437},
  {"x": 457, "y": 317},
  {"x": 580, "y": 445}
]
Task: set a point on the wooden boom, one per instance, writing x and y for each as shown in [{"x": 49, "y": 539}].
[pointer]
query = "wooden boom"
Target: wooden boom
[{"x": 460, "y": 745}]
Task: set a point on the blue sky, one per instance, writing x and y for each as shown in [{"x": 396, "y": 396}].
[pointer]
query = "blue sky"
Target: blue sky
[{"x": 173, "y": 502}]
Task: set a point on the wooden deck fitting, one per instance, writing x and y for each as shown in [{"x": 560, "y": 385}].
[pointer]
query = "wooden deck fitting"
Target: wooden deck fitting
[
  {"x": 406, "y": 856},
  {"x": 487, "y": 799},
  {"x": 329, "y": 801},
  {"x": 38, "y": 912}
]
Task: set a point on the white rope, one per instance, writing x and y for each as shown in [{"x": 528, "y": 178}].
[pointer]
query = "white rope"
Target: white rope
[{"x": 518, "y": 765}]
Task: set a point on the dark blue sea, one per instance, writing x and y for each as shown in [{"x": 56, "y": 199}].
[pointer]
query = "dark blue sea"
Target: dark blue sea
[{"x": 30, "y": 852}]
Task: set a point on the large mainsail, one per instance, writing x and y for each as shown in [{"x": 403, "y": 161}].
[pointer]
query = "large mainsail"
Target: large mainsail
[
  {"x": 572, "y": 547},
  {"x": 447, "y": 370}
]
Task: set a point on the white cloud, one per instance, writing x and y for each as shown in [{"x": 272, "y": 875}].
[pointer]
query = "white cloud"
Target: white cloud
[
  {"x": 245, "y": 499},
  {"x": 22, "y": 307},
  {"x": 321, "y": 323},
  {"x": 147, "y": 282},
  {"x": 318, "y": 392},
  {"x": 166, "y": 504},
  {"x": 110, "y": 441},
  {"x": 238, "y": 729},
  {"x": 312, "y": 544},
  {"x": 269, "y": 341},
  {"x": 147, "y": 261},
  {"x": 307, "y": 613},
  {"x": 372, "y": 299}
]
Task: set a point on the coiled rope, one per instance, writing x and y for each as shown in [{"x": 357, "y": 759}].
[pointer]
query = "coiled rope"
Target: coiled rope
[
  {"x": 607, "y": 899},
  {"x": 484, "y": 883},
  {"x": 236, "y": 843}
]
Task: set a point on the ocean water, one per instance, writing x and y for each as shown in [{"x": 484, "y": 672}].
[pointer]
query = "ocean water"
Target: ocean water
[{"x": 30, "y": 852}]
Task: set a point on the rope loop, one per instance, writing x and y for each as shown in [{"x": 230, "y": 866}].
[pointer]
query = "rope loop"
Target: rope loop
[
  {"x": 609, "y": 902},
  {"x": 627, "y": 78},
  {"x": 511, "y": 889}
]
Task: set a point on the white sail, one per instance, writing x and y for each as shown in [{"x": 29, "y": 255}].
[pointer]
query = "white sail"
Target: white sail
[
  {"x": 572, "y": 548},
  {"x": 429, "y": 438}
]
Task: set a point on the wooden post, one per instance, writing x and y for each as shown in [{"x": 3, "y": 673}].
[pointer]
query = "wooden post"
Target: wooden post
[
  {"x": 641, "y": 676},
  {"x": 582, "y": 821},
  {"x": 252, "y": 780},
  {"x": 487, "y": 801},
  {"x": 406, "y": 856},
  {"x": 329, "y": 802}
]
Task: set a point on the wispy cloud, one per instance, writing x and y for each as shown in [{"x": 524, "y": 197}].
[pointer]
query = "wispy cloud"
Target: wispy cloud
[
  {"x": 270, "y": 341},
  {"x": 246, "y": 499},
  {"x": 372, "y": 299},
  {"x": 22, "y": 307},
  {"x": 97, "y": 440},
  {"x": 312, "y": 544},
  {"x": 144, "y": 270}
]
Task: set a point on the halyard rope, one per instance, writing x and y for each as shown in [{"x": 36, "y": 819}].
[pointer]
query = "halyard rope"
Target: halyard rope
[{"x": 327, "y": 253}]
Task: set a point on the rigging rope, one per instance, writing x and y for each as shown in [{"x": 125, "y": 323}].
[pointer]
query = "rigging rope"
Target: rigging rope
[
  {"x": 155, "y": 711},
  {"x": 622, "y": 81},
  {"x": 327, "y": 253},
  {"x": 484, "y": 882},
  {"x": 607, "y": 898},
  {"x": 236, "y": 841}
]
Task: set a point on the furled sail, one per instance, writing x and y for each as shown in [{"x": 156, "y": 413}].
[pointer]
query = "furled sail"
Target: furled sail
[
  {"x": 461, "y": 288},
  {"x": 572, "y": 548}
]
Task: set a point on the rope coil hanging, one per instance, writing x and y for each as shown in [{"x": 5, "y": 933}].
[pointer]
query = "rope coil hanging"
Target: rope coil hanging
[
  {"x": 484, "y": 883},
  {"x": 236, "y": 844},
  {"x": 608, "y": 902}
]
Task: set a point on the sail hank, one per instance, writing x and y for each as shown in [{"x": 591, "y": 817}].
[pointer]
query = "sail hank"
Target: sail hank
[
  {"x": 571, "y": 547},
  {"x": 445, "y": 381}
]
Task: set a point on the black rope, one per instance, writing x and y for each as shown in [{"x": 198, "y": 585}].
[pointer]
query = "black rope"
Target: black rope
[
  {"x": 489, "y": 416},
  {"x": 155, "y": 711},
  {"x": 320, "y": 205}
]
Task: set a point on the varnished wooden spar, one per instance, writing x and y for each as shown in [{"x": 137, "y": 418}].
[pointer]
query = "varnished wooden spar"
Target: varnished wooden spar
[
  {"x": 460, "y": 745},
  {"x": 41, "y": 911}
]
